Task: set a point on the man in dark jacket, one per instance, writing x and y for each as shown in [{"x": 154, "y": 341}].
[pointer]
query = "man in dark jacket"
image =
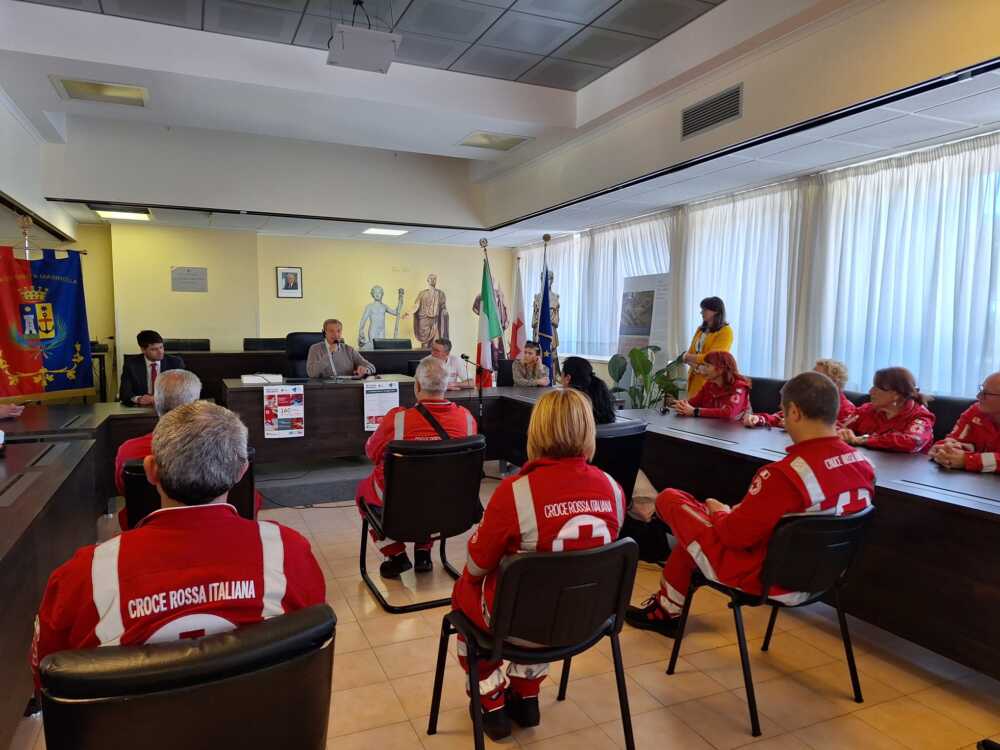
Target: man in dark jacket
[{"x": 140, "y": 373}]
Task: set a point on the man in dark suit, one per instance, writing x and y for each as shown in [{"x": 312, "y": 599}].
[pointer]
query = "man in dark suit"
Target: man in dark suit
[{"x": 139, "y": 373}]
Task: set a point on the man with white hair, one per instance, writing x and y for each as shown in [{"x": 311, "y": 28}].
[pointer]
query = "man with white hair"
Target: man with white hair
[
  {"x": 433, "y": 418},
  {"x": 189, "y": 569}
]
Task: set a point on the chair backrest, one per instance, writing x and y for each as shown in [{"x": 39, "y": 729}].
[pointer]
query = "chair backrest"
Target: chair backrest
[
  {"x": 812, "y": 552},
  {"x": 432, "y": 487},
  {"x": 297, "y": 350},
  {"x": 263, "y": 345},
  {"x": 392, "y": 344},
  {"x": 505, "y": 372},
  {"x": 412, "y": 365},
  {"x": 243, "y": 495},
  {"x": 619, "y": 452},
  {"x": 857, "y": 397},
  {"x": 265, "y": 685},
  {"x": 765, "y": 396},
  {"x": 563, "y": 598},
  {"x": 187, "y": 345},
  {"x": 947, "y": 410}
]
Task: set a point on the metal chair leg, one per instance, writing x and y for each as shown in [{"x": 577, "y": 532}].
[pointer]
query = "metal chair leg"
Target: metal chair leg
[
  {"x": 439, "y": 676},
  {"x": 848, "y": 650},
  {"x": 477, "y": 705},
  {"x": 616, "y": 654},
  {"x": 449, "y": 568},
  {"x": 770, "y": 628},
  {"x": 680, "y": 629},
  {"x": 747, "y": 675},
  {"x": 564, "y": 679},
  {"x": 379, "y": 596}
]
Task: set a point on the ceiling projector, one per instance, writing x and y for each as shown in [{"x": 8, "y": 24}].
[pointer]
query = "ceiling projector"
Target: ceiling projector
[{"x": 362, "y": 49}]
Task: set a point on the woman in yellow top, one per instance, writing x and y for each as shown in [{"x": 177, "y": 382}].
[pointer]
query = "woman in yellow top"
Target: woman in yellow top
[{"x": 713, "y": 335}]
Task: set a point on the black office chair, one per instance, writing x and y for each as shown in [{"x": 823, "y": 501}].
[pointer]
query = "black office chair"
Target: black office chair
[
  {"x": 807, "y": 552},
  {"x": 566, "y": 600},
  {"x": 187, "y": 345},
  {"x": 392, "y": 344},
  {"x": 857, "y": 397},
  {"x": 263, "y": 345},
  {"x": 297, "y": 350},
  {"x": 619, "y": 452},
  {"x": 431, "y": 493},
  {"x": 765, "y": 395},
  {"x": 505, "y": 372},
  {"x": 265, "y": 685},
  {"x": 947, "y": 410},
  {"x": 412, "y": 365},
  {"x": 141, "y": 497}
]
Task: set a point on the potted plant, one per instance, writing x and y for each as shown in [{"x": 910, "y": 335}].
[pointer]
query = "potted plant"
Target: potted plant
[{"x": 648, "y": 387}]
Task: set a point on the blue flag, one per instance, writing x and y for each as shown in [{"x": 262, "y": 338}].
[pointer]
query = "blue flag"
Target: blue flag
[{"x": 545, "y": 326}]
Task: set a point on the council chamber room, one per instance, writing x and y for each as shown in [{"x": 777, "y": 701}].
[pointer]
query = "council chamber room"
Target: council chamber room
[{"x": 435, "y": 374}]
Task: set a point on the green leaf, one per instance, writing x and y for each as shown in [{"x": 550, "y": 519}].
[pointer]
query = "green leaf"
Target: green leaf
[
  {"x": 617, "y": 367},
  {"x": 641, "y": 362}
]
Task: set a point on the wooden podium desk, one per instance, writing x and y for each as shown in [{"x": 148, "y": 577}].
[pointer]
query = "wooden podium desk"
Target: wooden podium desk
[{"x": 48, "y": 509}]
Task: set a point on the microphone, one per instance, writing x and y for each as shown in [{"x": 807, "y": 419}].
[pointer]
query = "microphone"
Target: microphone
[{"x": 465, "y": 357}]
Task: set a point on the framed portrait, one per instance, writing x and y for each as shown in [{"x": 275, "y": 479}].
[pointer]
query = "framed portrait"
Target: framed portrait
[{"x": 289, "y": 281}]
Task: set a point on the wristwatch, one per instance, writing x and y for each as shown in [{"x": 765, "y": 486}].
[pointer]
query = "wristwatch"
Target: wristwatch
[{"x": 697, "y": 411}]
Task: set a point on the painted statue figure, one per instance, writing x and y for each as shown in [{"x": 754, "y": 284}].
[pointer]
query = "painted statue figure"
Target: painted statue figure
[
  {"x": 554, "y": 312},
  {"x": 430, "y": 314},
  {"x": 373, "y": 318},
  {"x": 501, "y": 303}
]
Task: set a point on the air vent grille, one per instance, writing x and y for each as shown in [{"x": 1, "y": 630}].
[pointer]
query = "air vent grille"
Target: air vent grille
[{"x": 713, "y": 111}]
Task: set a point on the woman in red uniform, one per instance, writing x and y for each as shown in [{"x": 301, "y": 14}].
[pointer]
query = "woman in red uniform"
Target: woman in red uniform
[
  {"x": 557, "y": 502},
  {"x": 836, "y": 371},
  {"x": 726, "y": 393},
  {"x": 896, "y": 419}
]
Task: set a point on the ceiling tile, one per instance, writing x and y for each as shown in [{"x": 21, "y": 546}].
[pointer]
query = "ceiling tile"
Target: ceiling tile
[
  {"x": 237, "y": 221},
  {"x": 294, "y": 5},
  {"x": 176, "y": 13},
  {"x": 288, "y": 225},
  {"x": 949, "y": 93},
  {"x": 563, "y": 74},
  {"x": 314, "y": 31},
  {"x": 822, "y": 154},
  {"x": 903, "y": 131},
  {"x": 384, "y": 13},
  {"x": 180, "y": 217},
  {"x": 783, "y": 143},
  {"x": 851, "y": 122},
  {"x": 527, "y": 33},
  {"x": 429, "y": 51},
  {"x": 979, "y": 109},
  {"x": 495, "y": 3},
  {"x": 337, "y": 229},
  {"x": 652, "y": 18},
  {"x": 482, "y": 60},
  {"x": 91, "y": 5},
  {"x": 450, "y": 19},
  {"x": 603, "y": 47},
  {"x": 253, "y": 21},
  {"x": 577, "y": 11}
]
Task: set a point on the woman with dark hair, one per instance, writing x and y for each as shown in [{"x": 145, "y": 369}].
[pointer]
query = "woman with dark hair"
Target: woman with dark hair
[
  {"x": 896, "y": 418},
  {"x": 579, "y": 373},
  {"x": 726, "y": 393},
  {"x": 713, "y": 335}
]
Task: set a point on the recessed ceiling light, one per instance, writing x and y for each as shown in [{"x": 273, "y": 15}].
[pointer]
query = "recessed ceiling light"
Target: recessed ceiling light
[
  {"x": 123, "y": 215},
  {"x": 385, "y": 232},
  {"x": 99, "y": 91},
  {"x": 493, "y": 141}
]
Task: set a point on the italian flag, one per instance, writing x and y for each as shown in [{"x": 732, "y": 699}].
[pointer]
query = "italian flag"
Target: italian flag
[
  {"x": 489, "y": 329},
  {"x": 518, "y": 334}
]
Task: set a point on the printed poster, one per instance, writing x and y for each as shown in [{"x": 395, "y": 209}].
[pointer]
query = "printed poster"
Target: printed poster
[
  {"x": 380, "y": 397},
  {"x": 284, "y": 411}
]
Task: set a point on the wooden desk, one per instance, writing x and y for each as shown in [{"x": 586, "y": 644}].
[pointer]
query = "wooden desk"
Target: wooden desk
[{"x": 47, "y": 510}]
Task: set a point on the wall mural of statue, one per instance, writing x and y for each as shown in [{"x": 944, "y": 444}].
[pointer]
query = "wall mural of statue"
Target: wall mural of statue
[
  {"x": 430, "y": 314},
  {"x": 554, "y": 312},
  {"x": 498, "y": 347},
  {"x": 373, "y": 318}
]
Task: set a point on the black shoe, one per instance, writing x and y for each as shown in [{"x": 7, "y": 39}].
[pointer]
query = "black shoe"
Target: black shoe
[
  {"x": 422, "y": 561},
  {"x": 395, "y": 566},
  {"x": 523, "y": 711},
  {"x": 988, "y": 745},
  {"x": 496, "y": 723},
  {"x": 650, "y": 616}
]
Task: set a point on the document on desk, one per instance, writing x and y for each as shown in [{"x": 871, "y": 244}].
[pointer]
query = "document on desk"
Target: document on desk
[
  {"x": 380, "y": 397},
  {"x": 284, "y": 411}
]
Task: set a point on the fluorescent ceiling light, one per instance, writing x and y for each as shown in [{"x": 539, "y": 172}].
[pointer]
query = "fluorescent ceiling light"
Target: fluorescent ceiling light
[
  {"x": 123, "y": 215},
  {"x": 98, "y": 91},
  {"x": 493, "y": 141},
  {"x": 385, "y": 232}
]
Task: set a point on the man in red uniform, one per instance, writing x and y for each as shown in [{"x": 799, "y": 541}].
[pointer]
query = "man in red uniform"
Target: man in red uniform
[
  {"x": 821, "y": 474},
  {"x": 433, "y": 418},
  {"x": 974, "y": 442},
  {"x": 556, "y": 502},
  {"x": 192, "y": 568}
]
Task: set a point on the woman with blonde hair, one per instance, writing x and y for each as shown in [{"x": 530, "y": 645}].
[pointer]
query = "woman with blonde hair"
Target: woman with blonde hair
[
  {"x": 557, "y": 502},
  {"x": 833, "y": 369}
]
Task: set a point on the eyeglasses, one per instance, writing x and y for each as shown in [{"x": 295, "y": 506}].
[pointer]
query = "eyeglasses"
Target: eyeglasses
[{"x": 984, "y": 392}]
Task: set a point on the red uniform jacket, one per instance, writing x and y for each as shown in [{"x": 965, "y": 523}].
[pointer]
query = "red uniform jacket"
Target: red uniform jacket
[
  {"x": 847, "y": 409},
  {"x": 910, "y": 431},
  {"x": 404, "y": 423},
  {"x": 721, "y": 402},
  {"x": 980, "y": 436},
  {"x": 824, "y": 475},
  {"x": 182, "y": 573},
  {"x": 551, "y": 505}
]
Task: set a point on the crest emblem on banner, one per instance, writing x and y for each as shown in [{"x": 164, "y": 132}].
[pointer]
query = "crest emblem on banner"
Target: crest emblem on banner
[{"x": 37, "y": 319}]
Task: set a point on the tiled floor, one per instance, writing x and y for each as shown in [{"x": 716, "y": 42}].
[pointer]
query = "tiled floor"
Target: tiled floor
[{"x": 383, "y": 675}]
